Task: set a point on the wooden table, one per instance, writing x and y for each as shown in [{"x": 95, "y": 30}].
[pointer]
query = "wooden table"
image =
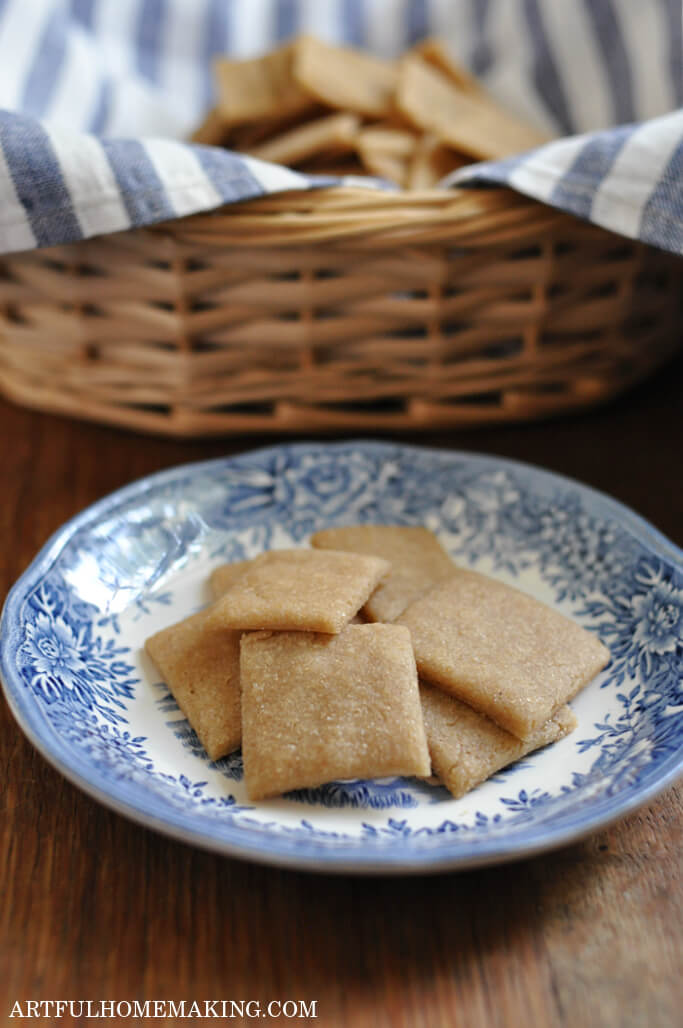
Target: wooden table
[{"x": 95, "y": 907}]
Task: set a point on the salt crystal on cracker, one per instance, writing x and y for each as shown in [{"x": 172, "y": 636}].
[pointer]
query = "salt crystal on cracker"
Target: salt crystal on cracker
[
  {"x": 417, "y": 559},
  {"x": 301, "y": 590},
  {"x": 500, "y": 650},
  {"x": 318, "y": 708},
  {"x": 200, "y": 665},
  {"x": 466, "y": 748}
]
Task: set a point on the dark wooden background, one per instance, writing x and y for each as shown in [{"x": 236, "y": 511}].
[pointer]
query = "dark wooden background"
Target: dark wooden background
[{"x": 92, "y": 906}]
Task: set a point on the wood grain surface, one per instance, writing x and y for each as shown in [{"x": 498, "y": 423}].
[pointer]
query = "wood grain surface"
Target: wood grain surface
[{"x": 94, "y": 907}]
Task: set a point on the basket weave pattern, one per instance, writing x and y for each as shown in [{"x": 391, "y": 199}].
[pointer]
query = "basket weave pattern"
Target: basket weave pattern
[{"x": 342, "y": 308}]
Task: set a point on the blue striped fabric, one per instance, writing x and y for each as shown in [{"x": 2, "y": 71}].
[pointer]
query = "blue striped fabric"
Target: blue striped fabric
[{"x": 96, "y": 98}]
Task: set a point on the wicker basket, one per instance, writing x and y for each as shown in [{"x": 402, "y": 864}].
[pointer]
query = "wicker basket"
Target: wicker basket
[{"x": 337, "y": 309}]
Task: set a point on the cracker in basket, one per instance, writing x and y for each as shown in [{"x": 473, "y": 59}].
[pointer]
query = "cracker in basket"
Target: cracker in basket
[
  {"x": 254, "y": 133},
  {"x": 470, "y": 124},
  {"x": 224, "y": 576},
  {"x": 431, "y": 162},
  {"x": 331, "y": 135},
  {"x": 345, "y": 79},
  {"x": 397, "y": 142},
  {"x": 387, "y": 152},
  {"x": 200, "y": 665},
  {"x": 261, "y": 87},
  {"x": 212, "y": 131},
  {"x": 466, "y": 748},
  {"x": 302, "y": 590},
  {"x": 435, "y": 53},
  {"x": 500, "y": 650},
  {"x": 316, "y": 708},
  {"x": 418, "y": 561},
  {"x": 386, "y": 166}
]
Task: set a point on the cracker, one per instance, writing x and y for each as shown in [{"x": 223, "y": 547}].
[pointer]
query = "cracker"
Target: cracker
[
  {"x": 251, "y": 134},
  {"x": 261, "y": 87},
  {"x": 319, "y": 708},
  {"x": 435, "y": 53},
  {"x": 224, "y": 576},
  {"x": 345, "y": 79},
  {"x": 501, "y": 651},
  {"x": 302, "y": 590},
  {"x": 466, "y": 748},
  {"x": 475, "y": 126},
  {"x": 431, "y": 162},
  {"x": 385, "y": 139},
  {"x": 418, "y": 561},
  {"x": 200, "y": 665},
  {"x": 387, "y": 152},
  {"x": 213, "y": 131},
  {"x": 330, "y": 136},
  {"x": 386, "y": 166}
]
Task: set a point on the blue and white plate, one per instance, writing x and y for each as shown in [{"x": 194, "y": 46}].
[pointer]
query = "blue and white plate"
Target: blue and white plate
[{"x": 84, "y": 693}]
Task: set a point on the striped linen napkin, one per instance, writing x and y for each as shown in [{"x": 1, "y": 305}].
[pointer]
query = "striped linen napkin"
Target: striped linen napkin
[{"x": 97, "y": 95}]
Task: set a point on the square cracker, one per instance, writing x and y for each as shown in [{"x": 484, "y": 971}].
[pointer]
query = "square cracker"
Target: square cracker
[
  {"x": 417, "y": 559},
  {"x": 318, "y": 708},
  {"x": 200, "y": 664},
  {"x": 389, "y": 140},
  {"x": 431, "y": 162},
  {"x": 212, "y": 131},
  {"x": 225, "y": 576},
  {"x": 466, "y": 748},
  {"x": 330, "y": 135},
  {"x": 469, "y": 123},
  {"x": 435, "y": 53},
  {"x": 300, "y": 590},
  {"x": 346, "y": 79},
  {"x": 260, "y": 87},
  {"x": 385, "y": 165},
  {"x": 500, "y": 650}
]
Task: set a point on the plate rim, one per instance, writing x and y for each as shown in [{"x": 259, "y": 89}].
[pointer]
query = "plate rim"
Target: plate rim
[{"x": 382, "y": 860}]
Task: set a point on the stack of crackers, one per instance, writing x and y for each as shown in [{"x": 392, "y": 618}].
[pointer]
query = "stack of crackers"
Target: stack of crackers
[
  {"x": 331, "y": 110},
  {"x": 369, "y": 655}
]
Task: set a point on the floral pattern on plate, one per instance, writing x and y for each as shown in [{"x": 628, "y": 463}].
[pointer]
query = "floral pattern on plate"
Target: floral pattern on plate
[{"x": 82, "y": 689}]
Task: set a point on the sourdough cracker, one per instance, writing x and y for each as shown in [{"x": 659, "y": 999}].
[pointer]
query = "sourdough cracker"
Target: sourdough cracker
[
  {"x": 200, "y": 665},
  {"x": 224, "y": 576},
  {"x": 418, "y": 561},
  {"x": 386, "y": 166},
  {"x": 299, "y": 590},
  {"x": 213, "y": 131},
  {"x": 387, "y": 152},
  {"x": 397, "y": 142},
  {"x": 501, "y": 651},
  {"x": 251, "y": 134},
  {"x": 331, "y": 135},
  {"x": 318, "y": 708},
  {"x": 260, "y": 87},
  {"x": 435, "y": 53},
  {"x": 466, "y": 748},
  {"x": 475, "y": 127},
  {"x": 431, "y": 162},
  {"x": 343, "y": 78}
]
